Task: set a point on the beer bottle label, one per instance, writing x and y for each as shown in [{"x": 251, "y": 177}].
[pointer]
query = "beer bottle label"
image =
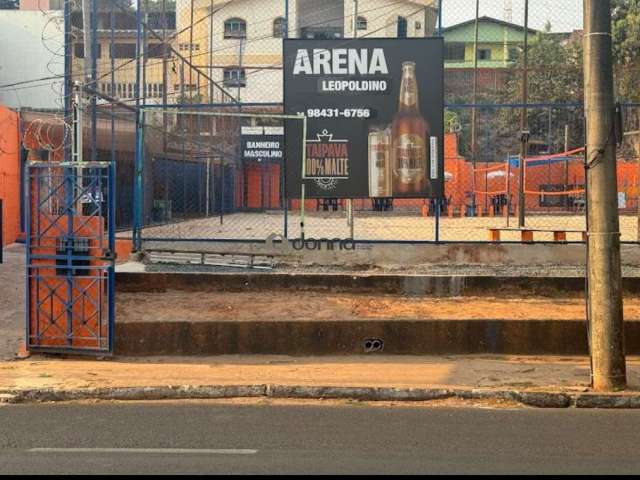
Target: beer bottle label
[{"x": 411, "y": 158}]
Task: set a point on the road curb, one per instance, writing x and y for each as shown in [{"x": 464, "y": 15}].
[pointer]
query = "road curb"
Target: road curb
[{"x": 536, "y": 399}]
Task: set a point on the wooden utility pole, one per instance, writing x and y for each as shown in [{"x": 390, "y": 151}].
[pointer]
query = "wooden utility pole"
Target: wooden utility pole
[{"x": 604, "y": 270}]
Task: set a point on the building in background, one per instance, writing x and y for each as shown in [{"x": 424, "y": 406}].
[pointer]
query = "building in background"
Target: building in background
[
  {"x": 42, "y": 5},
  {"x": 499, "y": 46},
  {"x": 31, "y": 50},
  {"x": 121, "y": 55},
  {"x": 238, "y": 44}
]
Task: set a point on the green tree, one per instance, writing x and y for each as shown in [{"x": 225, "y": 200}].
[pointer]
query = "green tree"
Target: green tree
[
  {"x": 626, "y": 48},
  {"x": 555, "y": 70},
  {"x": 555, "y": 76}
]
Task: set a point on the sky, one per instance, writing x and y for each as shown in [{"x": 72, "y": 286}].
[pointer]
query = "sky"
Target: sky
[{"x": 564, "y": 15}]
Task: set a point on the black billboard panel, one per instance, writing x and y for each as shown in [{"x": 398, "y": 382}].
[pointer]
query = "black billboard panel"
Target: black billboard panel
[{"x": 375, "y": 117}]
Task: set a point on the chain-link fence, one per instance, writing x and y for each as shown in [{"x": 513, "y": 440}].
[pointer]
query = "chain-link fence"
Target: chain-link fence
[{"x": 193, "y": 181}]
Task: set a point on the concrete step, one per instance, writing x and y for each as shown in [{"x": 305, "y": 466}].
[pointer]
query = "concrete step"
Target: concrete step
[
  {"x": 355, "y": 337},
  {"x": 395, "y": 283},
  {"x": 152, "y": 319}
]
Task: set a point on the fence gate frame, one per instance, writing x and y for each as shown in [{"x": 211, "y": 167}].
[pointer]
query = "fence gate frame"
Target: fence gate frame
[{"x": 70, "y": 259}]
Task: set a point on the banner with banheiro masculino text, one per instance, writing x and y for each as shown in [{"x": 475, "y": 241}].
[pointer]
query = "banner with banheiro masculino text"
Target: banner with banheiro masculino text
[{"x": 374, "y": 108}]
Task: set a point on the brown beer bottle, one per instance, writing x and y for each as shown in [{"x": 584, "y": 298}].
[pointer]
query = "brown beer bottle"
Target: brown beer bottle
[{"x": 409, "y": 132}]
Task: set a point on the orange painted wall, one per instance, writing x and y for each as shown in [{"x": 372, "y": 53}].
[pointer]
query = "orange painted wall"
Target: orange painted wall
[{"x": 10, "y": 174}]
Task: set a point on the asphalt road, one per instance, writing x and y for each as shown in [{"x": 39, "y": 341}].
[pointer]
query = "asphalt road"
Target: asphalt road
[{"x": 162, "y": 438}]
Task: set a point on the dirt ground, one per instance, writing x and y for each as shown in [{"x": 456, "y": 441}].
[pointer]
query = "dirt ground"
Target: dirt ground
[
  {"x": 566, "y": 373},
  {"x": 275, "y": 306},
  {"x": 375, "y": 226}
]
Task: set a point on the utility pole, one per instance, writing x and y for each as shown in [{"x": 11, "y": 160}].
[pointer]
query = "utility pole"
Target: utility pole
[
  {"x": 604, "y": 271},
  {"x": 524, "y": 121}
]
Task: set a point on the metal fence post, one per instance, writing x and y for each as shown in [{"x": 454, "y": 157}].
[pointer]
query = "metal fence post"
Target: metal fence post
[
  {"x": 139, "y": 155},
  {"x": 283, "y": 167}
]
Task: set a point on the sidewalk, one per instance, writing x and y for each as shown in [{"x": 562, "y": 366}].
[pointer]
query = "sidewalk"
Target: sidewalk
[
  {"x": 12, "y": 301},
  {"x": 533, "y": 381}
]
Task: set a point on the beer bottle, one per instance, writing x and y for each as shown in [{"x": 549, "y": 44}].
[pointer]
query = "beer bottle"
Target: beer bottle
[{"x": 409, "y": 132}]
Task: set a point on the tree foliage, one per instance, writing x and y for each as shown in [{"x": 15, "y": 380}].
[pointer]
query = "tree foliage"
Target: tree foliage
[{"x": 626, "y": 48}]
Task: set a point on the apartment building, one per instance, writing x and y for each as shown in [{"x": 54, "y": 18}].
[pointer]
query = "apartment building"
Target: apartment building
[{"x": 235, "y": 46}]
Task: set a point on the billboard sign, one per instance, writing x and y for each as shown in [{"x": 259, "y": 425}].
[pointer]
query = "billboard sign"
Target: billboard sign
[{"x": 374, "y": 108}]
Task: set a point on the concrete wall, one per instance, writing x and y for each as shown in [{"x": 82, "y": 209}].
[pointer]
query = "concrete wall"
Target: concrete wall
[
  {"x": 31, "y": 47},
  {"x": 414, "y": 256}
]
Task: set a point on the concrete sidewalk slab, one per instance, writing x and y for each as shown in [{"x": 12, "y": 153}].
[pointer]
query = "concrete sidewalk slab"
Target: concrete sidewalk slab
[
  {"x": 12, "y": 301},
  {"x": 534, "y": 381}
]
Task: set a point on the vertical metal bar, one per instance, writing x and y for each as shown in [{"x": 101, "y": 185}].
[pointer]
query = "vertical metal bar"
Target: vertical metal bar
[
  {"x": 304, "y": 175},
  {"x": 508, "y": 189},
  {"x": 524, "y": 121},
  {"x": 68, "y": 70},
  {"x": 184, "y": 175},
  {"x": 28, "y": 219},
  {"x": 438, "y": 214},
  {"x": 145, "y": 49},
  {"x": 211, "y": 90},
  {"x": 138, "y": 200},
  {"x": 566, "y": 162},
  {"x": 139, "y": 156},
  {"x": 440, "y": 18},
  {"x": 165, "y": 74},
  {"x": 208, "y": 187},
  {"x": 191, "y": 52},
  {"x": 355, "y": 19},
  {"x": 94, "y": 76},
  {"x": 111, "y": 211},
  {"x": 474, "y": 121},
  {"x": 222, "y": 178},
  {"x": 283, "y": 166},
  {"x": 70, "y": 190}
]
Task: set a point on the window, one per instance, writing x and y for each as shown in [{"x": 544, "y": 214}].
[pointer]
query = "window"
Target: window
[
  {"x": 188, "y": 87},
  {"x": 403, "y": 27},
  {"x": 235, "y": 77},
  {"x": 279, "y": 27},
  {"x": 79, "y": 50},
  {"x": 484, "y": 54},
  {"x": 185, "y": 47},
  {"x": 513, "y": 54},
  {"x": 157, "y": 50},
  {"x": 321, "y": 33},
  {"x": 361, "y": 23},
  {"x": 454, "y": 52},
  {"x": 123, "y": 50},
  {"x": 235, "y": 28}
]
